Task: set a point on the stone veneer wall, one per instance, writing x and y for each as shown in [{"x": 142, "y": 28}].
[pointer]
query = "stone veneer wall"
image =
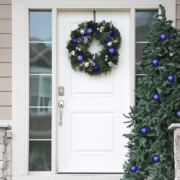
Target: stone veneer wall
[
  {"x": 5, "y": 152},
  {"x": 176, "y": 128}
]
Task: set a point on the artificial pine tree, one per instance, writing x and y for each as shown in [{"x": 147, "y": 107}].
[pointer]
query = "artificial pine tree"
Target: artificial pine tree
[{"x": 150, "y": 142}]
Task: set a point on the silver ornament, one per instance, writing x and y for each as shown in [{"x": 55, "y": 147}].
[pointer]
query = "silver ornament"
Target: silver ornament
[
  {"x": 110, "y": 63},
  {"x": 171, "y": 54},
  {"x": 97, "y": 28},
  {"x": 109, "y": 43},
  {"x": 73, "y": 53},
  {"x": 79, "y": 49},
  {"x": 86, "y": 64},
  {"x": 76, "y": 47},
  {"x": 82, "y": 31},
  {"x": 102, "y": 28},
  {"x": 106, "y": 56},
  {"x": 106, "y": 59}
]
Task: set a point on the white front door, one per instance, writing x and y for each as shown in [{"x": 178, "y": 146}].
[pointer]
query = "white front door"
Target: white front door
[{"x": 91, "y": 137}]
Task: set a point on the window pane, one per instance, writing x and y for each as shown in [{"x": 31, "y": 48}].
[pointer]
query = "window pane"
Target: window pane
[
  {"x": 40, "y": 90},
  {"x": 40, "y": 123},
  {"x": 140, "y": 47},
  {"x": 40, "y": 156},
  {"x": 144, "y": 21},
  {"x": 40, "y": 58},
  {"x": 40, "y": 26}
]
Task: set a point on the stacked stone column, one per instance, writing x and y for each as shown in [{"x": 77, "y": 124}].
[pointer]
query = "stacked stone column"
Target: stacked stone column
[
  {"x": 176, "y": 128},
  {"x": 5, "y": 152}
]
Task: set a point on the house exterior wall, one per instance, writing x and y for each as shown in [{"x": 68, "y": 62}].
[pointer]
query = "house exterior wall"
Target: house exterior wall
[{"x": 5, "y": 60}]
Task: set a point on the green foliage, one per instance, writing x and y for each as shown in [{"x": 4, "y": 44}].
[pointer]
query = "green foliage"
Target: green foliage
[
  {"x": 155, "y": 115},
  {"x": 99, "y": 58}
]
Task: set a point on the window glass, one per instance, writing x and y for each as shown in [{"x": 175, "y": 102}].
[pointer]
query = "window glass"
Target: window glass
[
  {"x": 144, "y": 21},
  {"x": 40, "y": 90},
  {"x": 40, "y": 23}
]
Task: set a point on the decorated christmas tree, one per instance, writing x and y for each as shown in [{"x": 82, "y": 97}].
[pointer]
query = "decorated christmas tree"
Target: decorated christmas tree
[{"x": 158, "y": 105}]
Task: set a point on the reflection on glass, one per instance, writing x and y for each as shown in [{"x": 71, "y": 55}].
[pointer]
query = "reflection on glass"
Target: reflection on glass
[
  {"x": 144, "y": 21},
  {"x": 40, "y": 90},
  {"x": 40, "y": 24},
  {"x": 40, "y": 58},
  {"x": 40, "y": 123},
  {"x": 40, "y": 155},
  {"x": 140, "y": 47}
]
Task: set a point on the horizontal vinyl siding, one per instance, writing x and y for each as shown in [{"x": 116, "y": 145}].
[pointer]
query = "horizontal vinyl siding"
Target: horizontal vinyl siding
[
  {"x": 5, "y": 60},
  {"x": 5, "y": 2},
  {"x": 5, "y": 11},
  {"x": 5, "y": 84},
  {"x": 5, "y": 98},
  {"x": 5, "y": 26},
  {"x": 6, "y": 113},
  {"x": 5, "y": 55}
]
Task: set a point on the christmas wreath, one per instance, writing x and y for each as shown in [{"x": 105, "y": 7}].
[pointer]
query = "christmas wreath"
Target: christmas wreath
[{"x": 81, "y": 38}]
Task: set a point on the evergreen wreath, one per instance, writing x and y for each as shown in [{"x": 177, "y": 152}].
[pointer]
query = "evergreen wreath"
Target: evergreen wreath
[{"x": 98, "y": 63}]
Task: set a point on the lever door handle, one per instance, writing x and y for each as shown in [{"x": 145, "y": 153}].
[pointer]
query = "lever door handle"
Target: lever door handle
[{"x": 61, "y": 106}]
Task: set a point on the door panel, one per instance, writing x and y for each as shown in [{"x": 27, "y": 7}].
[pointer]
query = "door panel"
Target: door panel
[{"x": 90, "y": 139}]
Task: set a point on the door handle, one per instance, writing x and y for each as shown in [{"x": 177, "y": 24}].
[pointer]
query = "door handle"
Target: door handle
[{"x": 61, "y": 106}]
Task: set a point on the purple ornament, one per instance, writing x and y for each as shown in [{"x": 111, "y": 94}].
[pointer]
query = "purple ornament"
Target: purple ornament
[
  {"x": 156, "y": 158},
  {"x": 106, "y": 40},
  {"x": 133, "y": 168},
  {"x": 80, "y": 58},
  {"x": 98, "y": 31},
  {"x": 156, "y": 97},
  {"x": 163, "y": 36},
  {"x": 92, "y": 59},
  {"x": 155, "y": 62},
  {"x": 178, "y": 113},
  {"x": 111, "y": 32},
  {"x": 144, "y": 130},
  {"x": 96, "y": 68},
  {"x": 89, "y": 31},
  {"x": 76, "y": 50},
  {"x": 112, "y": 50},
  {"x": 109, "y": 58},
  {"x": 170, "y": 78},
  {"x": 74, "y": 40},
  {"x": 82, "y": 36}
]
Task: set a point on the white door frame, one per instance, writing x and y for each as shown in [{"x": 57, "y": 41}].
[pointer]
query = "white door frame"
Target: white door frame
[{"x": 20, "y": 67}]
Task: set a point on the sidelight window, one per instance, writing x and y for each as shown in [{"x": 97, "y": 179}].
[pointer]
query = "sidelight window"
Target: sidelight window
[
  {"x": 144, "y": 21},
  {"x": 40, "y": 90}
]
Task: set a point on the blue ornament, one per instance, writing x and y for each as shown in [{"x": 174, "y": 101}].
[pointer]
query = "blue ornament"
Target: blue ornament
[
  {"x": 76, "y": 50},
  {"x": 92, "y": 59},
  {"x": 80, "y": 58},
  {"x": 98, "y": 31},
  {"x": 89, "y": 31},
  {"x": 82, "y": 36},
  {"x": 111, "y": 32},
  {"x": 96, "y": 68},
  {"x": 133, "y": 168},
  {"x": 107, "y": 40},
  {"x": 109, "y": 58},
  {"x": 178, "y": 113},
  {"x": 155, "y": 62},
  {"x": 112, "y": 50},
  {"x": 156, "y": 97},
  {"x": 170, "y": 78},
  {"x": 156, "y": 158},
  {"x": 74, "y": 40},
  {"x": 163, "y": 36},
  {"x": 144, "y": 130}
]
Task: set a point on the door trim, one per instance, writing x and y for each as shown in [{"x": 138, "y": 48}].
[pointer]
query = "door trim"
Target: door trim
[{"x": 20, "y": 69}]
